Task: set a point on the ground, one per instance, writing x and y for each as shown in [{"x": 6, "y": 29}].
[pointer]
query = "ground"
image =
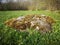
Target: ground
[{"x": 9, "y": 36}]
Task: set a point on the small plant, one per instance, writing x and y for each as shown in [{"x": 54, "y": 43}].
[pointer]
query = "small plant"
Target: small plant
[{"x": 10, "y": 36}]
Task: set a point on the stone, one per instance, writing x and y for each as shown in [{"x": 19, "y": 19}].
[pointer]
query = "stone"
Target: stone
[{"x": 37, "y": 22}]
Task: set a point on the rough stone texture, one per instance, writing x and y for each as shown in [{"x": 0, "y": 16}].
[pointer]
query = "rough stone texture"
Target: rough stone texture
[{"x": 38, "y": 22}]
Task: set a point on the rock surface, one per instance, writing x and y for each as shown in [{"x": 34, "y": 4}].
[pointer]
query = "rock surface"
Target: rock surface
[{"x": 38, "y": 22}]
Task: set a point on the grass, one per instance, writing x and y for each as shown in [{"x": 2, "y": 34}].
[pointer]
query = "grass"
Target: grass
[{"x": 9, "y": 36}]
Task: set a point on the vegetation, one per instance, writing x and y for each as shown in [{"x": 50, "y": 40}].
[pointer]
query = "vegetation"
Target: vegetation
[
  {"x": 30, "y": 5},
  {"x": 9, "y": 36}
]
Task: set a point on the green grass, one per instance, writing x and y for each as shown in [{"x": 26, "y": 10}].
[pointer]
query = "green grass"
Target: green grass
[{"x": 9, "y": 36}]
